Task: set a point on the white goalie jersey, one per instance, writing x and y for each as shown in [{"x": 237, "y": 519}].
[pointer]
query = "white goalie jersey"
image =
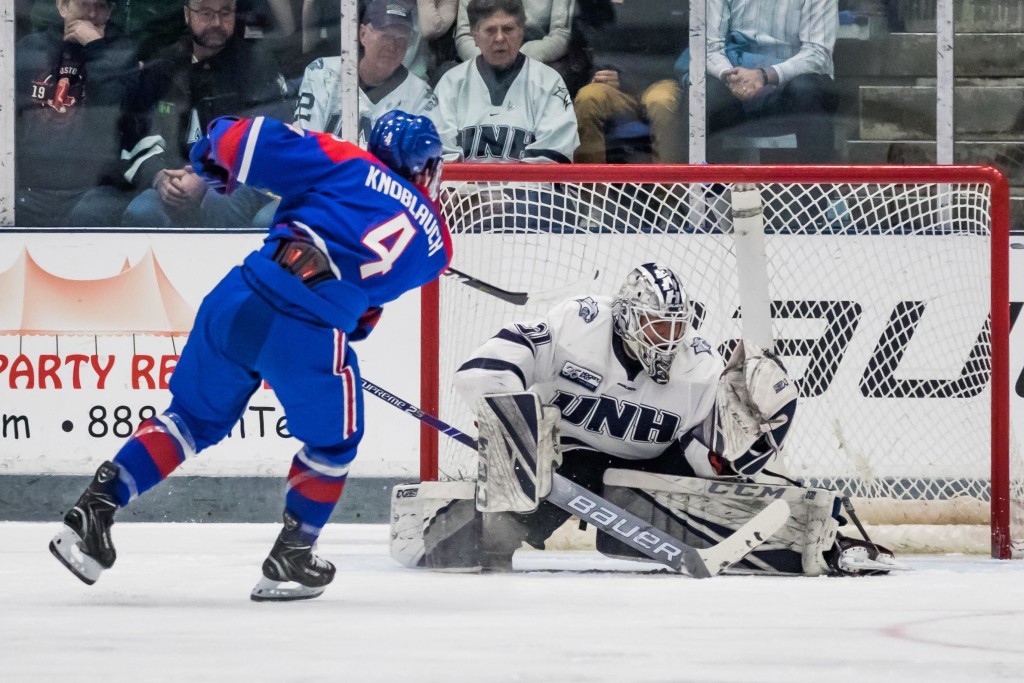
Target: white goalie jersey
[
  {"x": 525, "y": 114},
  {"x": 319, "y": 106},
  {"x": 574, "y": 361}
]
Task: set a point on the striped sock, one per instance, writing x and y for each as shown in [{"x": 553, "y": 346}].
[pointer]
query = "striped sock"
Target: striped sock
[
  {"x": 157, "y": 447},
  {"x": 314, "y": 487}
]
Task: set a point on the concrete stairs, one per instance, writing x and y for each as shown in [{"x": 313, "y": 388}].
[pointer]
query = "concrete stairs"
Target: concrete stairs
[{"x": 887, "y": 86}]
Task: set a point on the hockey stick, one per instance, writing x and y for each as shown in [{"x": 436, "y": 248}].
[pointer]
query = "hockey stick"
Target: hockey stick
[
  {"x": 407, "y": 407},
  {"x": 517, "y": 298},
  {"x": 521, "y": 298},
  {"x": 625, "y": 526}
]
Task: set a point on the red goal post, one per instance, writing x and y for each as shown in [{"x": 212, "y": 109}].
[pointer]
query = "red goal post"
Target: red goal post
[{"x": 885, "y": 288}]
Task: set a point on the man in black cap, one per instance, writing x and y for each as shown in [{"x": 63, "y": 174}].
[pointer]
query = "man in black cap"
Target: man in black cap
[{"x": 384, "y": 84}]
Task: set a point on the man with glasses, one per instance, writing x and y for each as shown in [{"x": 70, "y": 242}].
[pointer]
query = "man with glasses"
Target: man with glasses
[
  {"x": 71, "y": 81},
  {"x": 214, "y": 73}
]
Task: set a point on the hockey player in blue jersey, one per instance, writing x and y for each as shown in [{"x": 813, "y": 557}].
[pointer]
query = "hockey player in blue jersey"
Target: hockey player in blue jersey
[{"x": 355, "y": 230}]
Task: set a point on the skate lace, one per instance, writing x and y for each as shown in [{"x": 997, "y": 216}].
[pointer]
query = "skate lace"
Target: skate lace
[{"x": 317, "y": 561}]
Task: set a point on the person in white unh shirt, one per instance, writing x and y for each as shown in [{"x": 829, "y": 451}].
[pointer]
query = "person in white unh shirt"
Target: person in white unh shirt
[
  {"x": 384, "y": 84},
  {"x": 503, "y": 105}
]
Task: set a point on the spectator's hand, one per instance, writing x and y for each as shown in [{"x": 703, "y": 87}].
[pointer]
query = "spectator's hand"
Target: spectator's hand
[
  {"x": 744, "y": 83},
  {"x": 82, "y": 31},
  {"x": 192, "y": 184},
  {"x": 607, "y": 76},
  {"x": 179, "y": 187}
]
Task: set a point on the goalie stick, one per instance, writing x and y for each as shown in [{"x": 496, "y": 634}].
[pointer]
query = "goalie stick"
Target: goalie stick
[{"x": 623, "y": 525}]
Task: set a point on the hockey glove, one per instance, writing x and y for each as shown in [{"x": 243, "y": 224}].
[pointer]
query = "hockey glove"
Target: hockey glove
[
  {"x": 203, "y": 163},
  {"x": 367, "y": 321},
  {"x": 204, "y": 159}
]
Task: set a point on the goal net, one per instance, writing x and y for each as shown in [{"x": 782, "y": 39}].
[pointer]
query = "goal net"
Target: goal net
[{"x": 883, "y": 288}]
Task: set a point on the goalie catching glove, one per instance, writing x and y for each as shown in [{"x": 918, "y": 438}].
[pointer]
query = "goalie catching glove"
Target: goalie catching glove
[{"x": 753, "y": 411}]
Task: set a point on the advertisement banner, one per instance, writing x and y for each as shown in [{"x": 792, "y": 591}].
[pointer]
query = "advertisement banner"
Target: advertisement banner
[{"x": 91, "y": 325}]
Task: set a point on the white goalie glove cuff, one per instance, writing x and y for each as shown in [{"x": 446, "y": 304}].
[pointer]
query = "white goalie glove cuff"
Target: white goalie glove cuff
[{"x": 754, "y": 407}]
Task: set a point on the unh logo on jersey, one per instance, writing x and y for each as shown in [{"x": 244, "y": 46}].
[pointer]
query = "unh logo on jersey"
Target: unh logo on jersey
[
  {"x": 494, "y": 142},
  {"x": 580, "y": 375},
  {"x": 588, "y": 309}
]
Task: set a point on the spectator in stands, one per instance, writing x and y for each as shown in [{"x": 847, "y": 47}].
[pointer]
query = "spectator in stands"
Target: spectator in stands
[
  {"x": 612, "y": 124},
  {"x": 431, "y": 43},
  {"x": 546, "y": 30},
  {"x": 769, "y": 69},
  {"x": 71, "y": 83},
  {"x": 152, "y": 25},
  {"x": 384, "y": 84},
  {"x": 503, "y": 105},
  {"x": 214, "y": 73}
]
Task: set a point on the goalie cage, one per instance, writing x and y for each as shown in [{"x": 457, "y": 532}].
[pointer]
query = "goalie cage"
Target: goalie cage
[{"x": 876, "y": 284}]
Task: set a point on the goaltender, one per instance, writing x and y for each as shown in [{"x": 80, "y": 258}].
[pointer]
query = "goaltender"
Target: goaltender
[{"x": 635, "y": 406}]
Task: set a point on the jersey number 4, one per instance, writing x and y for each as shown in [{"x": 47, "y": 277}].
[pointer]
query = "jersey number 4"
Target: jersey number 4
[{"x": 388, "y": 240}]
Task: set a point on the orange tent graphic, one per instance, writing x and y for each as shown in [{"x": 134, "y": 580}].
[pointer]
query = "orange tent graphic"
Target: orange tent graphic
[{"x": 138, "y": 300}]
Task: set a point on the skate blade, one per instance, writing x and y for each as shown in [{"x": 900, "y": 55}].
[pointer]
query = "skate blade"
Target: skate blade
[
  {"x": 268, "y": 590},
  {"x": 65, "y": 547},
  {"x": 857, "y": 563}
]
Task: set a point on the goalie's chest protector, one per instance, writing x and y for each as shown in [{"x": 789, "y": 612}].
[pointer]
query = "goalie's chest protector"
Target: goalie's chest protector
[{"x": 610, "y": 408}]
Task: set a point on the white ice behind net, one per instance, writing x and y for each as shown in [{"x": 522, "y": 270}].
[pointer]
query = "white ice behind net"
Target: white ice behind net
[{"x": 880, "y": 300}]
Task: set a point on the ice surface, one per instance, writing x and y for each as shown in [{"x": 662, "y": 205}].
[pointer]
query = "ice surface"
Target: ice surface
[{"x": 176, "y": 608}]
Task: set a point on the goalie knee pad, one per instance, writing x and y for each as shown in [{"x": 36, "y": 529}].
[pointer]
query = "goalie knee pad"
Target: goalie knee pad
[{"x": 701, "y": 512}]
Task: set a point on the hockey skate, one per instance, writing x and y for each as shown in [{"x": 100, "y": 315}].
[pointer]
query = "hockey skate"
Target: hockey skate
[
  {"x": 854, "y": 557},
  {"x": 292, "y": 570},
  {"x": 83, "y": 545}
]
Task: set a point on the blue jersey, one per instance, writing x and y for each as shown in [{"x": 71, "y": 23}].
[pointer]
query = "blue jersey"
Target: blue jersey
[{"x": 381, "y": 234}]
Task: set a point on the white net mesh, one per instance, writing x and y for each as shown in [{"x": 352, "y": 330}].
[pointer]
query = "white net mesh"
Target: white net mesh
[{"x": 878, "y": 300}]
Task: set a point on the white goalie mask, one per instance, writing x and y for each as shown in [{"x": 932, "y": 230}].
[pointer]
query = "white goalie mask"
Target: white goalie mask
[{"x": 651, "y": 314}]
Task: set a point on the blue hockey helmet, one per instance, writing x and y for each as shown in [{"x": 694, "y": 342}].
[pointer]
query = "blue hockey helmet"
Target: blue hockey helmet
[{"x": 408, "y": 145}]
